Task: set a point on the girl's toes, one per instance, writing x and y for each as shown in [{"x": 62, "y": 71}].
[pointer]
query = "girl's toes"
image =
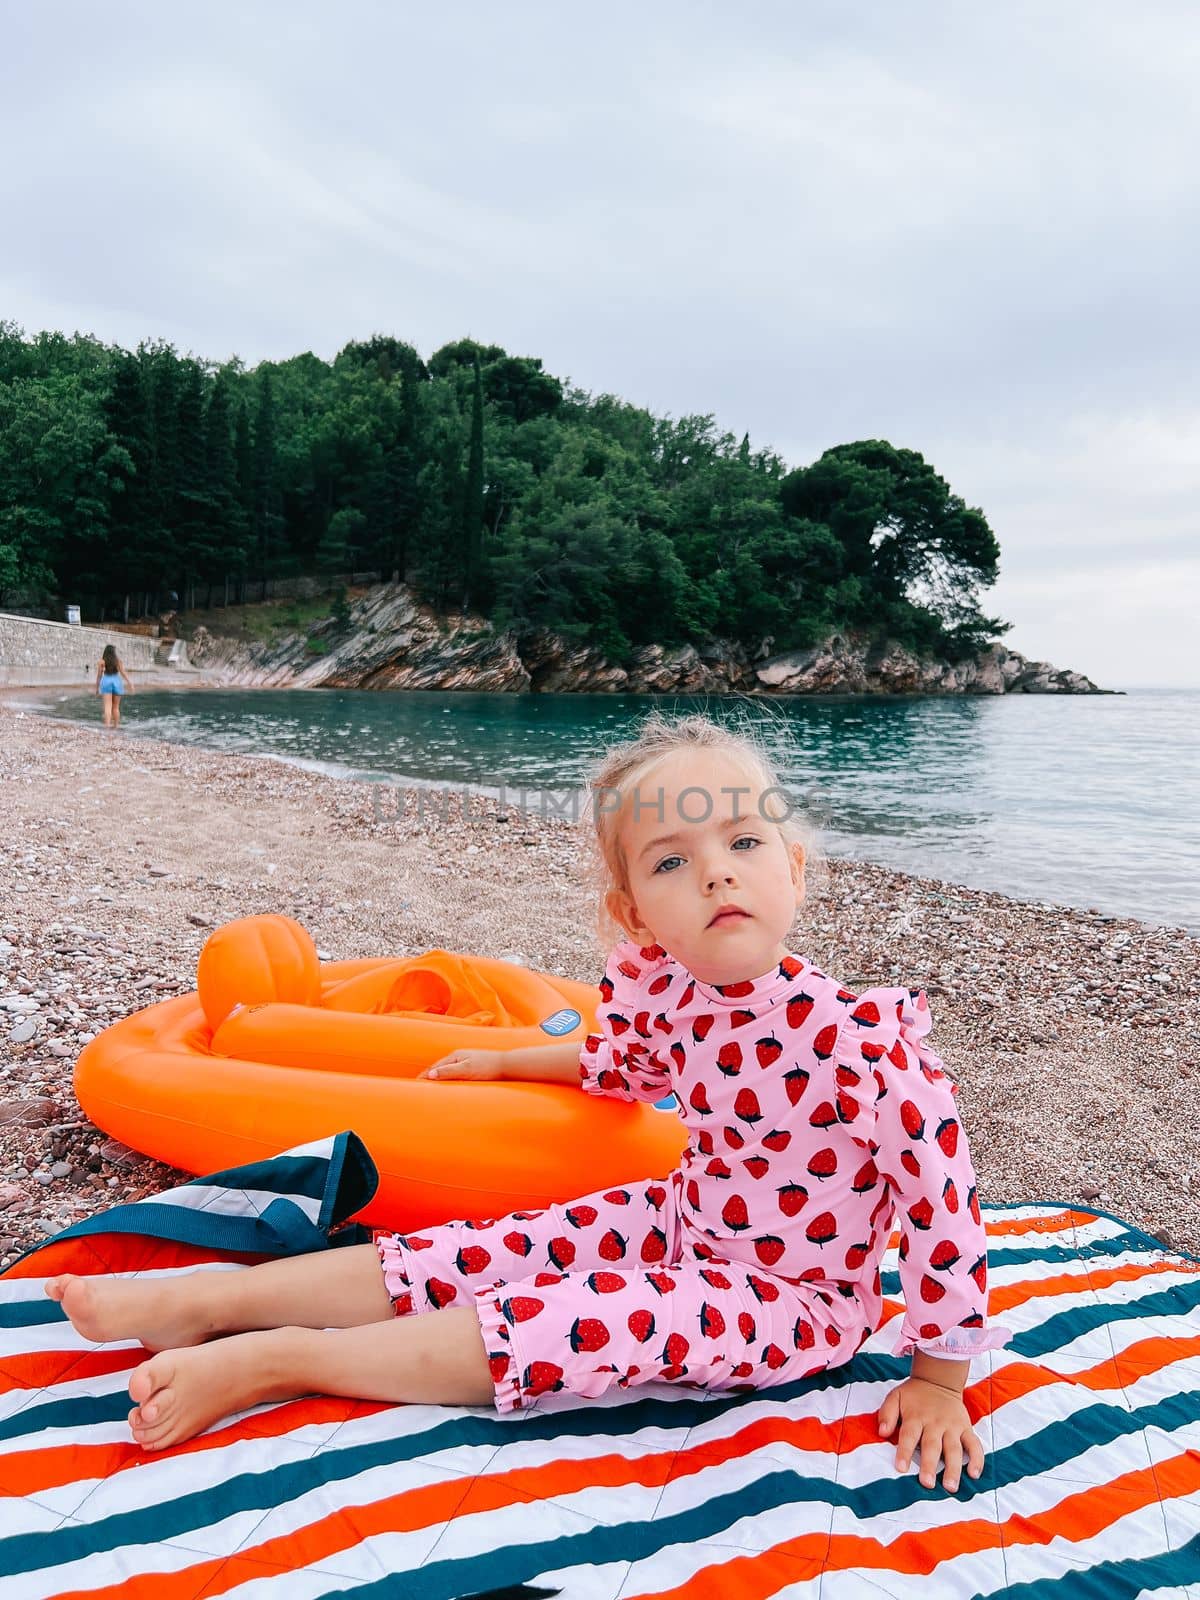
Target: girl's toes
[
  {"x": 150, "y": 1377},
  {"x": 57, "y": 1287}
]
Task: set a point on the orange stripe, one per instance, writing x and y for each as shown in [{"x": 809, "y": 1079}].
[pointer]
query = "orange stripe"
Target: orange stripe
[
  {"x": 39, "y": 1470},
  {"x": 132, "y": 1252},
  {"x": 424, "y": 1507},
  {"x": 1059, "y": 1222},
  {"x": 41, "y": 1369},
  {"x": 26, "y": 1472},
  {"x": 1015, "y": 1294},
  {"x": 1076, "y": 1519}
]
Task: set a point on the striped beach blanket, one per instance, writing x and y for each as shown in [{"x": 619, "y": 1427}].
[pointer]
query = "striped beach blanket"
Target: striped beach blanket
[{"x": 1091, "y": 1421}]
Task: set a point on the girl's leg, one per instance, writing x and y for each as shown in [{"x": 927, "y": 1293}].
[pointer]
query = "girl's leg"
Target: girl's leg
[
  {"x": 628, "y": 1226},
  {"x": 339, "y": 1288},
  {"x": 421, "y": 1360},
  {"x": 116, "y": 710},
  {"x": 106, "y": 704}
]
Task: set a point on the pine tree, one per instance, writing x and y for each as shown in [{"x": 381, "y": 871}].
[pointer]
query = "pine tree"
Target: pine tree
[
  {"x": 267, "y": 521},
  {"x": 472, "y": 536}
]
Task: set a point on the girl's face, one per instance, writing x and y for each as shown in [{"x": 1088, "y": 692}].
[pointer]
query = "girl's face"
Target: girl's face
[{"x": 709, "y": 877}]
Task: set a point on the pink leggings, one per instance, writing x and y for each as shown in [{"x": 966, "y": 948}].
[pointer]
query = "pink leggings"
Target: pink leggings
[{"x": 617, "y": 1288}]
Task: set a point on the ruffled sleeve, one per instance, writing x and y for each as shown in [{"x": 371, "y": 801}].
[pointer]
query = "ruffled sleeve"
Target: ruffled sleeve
[
  {"x": 900, "y": 1102},
  {"x": 621, "y": 1060}
]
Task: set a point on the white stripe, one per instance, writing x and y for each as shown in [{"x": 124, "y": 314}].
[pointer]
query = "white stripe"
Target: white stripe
[
  {"x": 219, "y": 1200},
  {"x": 1131, "y": 1537}
]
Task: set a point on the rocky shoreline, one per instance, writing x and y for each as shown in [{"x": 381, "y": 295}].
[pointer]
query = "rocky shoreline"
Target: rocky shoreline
[
  {"x": 391, "y": 641},
  {"x": 1074, "y": 1035}
]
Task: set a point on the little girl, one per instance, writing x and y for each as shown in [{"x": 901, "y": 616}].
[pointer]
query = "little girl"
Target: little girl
[
  {"x": 111, "y": 683},
  {"x": 814, "y": 1116}
]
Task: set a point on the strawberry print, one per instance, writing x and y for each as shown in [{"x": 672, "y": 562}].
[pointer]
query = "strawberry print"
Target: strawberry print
[
  {"x": 641, "y": 1324},
  {"x": 729, "y": 1058},
  {"x": 654, "y": 1246},
  {"x": 947, "y": 1136},
  {"x": 825, "y": 1042},
  {"x": 823, "y": 1116},
  {"x": 712, "y": 1323},
  {"x": 542, "y": 1377},
  {"x": 605, "y": 1282},
  {"x": 746, "y": 1107},
  {"x": 561, "y": 1252},
  {"x": 588, "y": 1334},
  {"x": 776, "y": 1218},
  {"x": 822, "y": 1230},
  {"x": 612, "y": 1246},
  {"x": 768, "y": 1051},
  {"x": 795, "y": 1082}
]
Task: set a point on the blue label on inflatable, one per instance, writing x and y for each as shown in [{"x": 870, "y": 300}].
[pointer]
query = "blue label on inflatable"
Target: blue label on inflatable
[{"x": 565, "y": 1021}]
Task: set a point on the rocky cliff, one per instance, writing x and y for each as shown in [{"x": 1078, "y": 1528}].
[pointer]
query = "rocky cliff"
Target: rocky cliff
[{"x": 394, "y": 642}]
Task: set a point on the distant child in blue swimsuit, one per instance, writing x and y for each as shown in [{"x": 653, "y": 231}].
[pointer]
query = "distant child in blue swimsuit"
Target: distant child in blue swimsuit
[{"x": 111, "y": 682}]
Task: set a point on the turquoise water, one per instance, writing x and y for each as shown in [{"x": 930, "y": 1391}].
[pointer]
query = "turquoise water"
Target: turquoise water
[{"x": 1089, "y": 801}]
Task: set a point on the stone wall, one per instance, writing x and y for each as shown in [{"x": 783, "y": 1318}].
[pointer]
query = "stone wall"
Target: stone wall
[{"x": 33, "y": 651}]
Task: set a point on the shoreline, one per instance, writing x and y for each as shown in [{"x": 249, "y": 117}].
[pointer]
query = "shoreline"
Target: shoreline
[
  {"x": 41, "y": 700},
  {"x": 1075, "y": 1037}
]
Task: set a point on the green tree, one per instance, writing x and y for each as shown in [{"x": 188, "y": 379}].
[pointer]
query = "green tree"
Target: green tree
[
  {"x": 472, "y": 531},
  {"x": 904, "y": 535},
  {"x": 267, "y": 521}
]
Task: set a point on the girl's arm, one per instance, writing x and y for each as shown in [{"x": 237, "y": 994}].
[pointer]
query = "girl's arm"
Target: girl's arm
[
  {"x": 551, "y": 1063},
  {"x": 99, "y": 675},
  {"x": 128, "y": 683}
]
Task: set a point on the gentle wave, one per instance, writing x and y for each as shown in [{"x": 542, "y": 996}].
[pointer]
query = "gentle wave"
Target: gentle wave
[{"x": 1085, "y": 801}]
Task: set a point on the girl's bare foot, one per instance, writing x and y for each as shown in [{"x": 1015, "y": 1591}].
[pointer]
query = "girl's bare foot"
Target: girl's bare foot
[
  {"x": 160, "y": 1313},
  {"x": 179, "y": 1393}
]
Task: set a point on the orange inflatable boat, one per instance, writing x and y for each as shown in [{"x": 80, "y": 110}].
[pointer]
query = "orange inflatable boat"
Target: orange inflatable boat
[{"x": 277, "y": 1048}]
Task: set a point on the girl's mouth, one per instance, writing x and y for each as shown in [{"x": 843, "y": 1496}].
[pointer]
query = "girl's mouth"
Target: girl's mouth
[{"x": 728, "y": 914}]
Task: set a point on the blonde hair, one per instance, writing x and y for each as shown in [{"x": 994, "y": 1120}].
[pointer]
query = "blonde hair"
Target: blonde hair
[{"x": 623, "y": 767}]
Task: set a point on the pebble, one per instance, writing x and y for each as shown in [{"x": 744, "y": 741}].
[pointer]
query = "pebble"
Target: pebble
[
  {"x": 1070, "y": 1051},
  {"x": 23, "y": 1032}
]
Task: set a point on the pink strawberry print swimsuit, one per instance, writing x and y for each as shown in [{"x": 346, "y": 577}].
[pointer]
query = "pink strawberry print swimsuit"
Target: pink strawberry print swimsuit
[{"x": 815, "y": 1118}]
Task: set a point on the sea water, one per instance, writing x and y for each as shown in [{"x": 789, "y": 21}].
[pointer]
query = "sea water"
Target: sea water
[{"x": 1089, "y": 801}]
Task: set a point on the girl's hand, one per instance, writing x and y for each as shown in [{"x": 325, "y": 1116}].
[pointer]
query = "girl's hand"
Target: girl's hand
[
  {"x": 480, "y": 1065},
  {"x": 935, "y": 1422}
]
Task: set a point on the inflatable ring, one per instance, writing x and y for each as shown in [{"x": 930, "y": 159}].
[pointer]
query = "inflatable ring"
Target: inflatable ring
[{"x": 277, "y": 1048}]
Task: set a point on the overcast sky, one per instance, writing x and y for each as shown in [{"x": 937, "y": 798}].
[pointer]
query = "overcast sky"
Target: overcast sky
[{"x": 969, "y": 230}]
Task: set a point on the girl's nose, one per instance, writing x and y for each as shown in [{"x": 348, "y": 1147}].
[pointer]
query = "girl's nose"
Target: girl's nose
[{"x": 717, "y": 875}]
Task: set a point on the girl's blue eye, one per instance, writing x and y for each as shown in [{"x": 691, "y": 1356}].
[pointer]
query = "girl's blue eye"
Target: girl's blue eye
[{"x": 743, "y": 839}]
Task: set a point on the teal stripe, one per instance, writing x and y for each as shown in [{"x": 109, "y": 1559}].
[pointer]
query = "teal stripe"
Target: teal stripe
[
  {"x": 1148, "y": 1241},
  {"x": 1045, "y": 1451},
  {"x": 344, "y": 1181},
  {"x": 1106, "y": 1580},
  {"x": 82, "y": 1411},
  {"x": 1180, "y": 1301},
  {"x": 30, "y": 1313}
]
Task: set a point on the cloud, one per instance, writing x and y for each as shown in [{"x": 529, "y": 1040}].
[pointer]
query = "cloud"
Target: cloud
[{"x": 970, "y": 231}]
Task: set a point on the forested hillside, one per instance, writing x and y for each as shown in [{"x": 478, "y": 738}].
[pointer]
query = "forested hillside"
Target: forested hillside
[{"x": 476, "y": 477}]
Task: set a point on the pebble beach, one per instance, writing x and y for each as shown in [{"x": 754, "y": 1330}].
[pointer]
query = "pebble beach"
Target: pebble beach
[{"x": 1074, "y": 1036}]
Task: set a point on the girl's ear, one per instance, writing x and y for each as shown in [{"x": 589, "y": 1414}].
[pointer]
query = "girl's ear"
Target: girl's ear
[
  {"x": 620, "y": 907},
  {"x": 797, "y": 859}
]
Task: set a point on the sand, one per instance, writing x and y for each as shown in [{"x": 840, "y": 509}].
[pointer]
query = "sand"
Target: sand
[{"x": 1074, "y": 1036}]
